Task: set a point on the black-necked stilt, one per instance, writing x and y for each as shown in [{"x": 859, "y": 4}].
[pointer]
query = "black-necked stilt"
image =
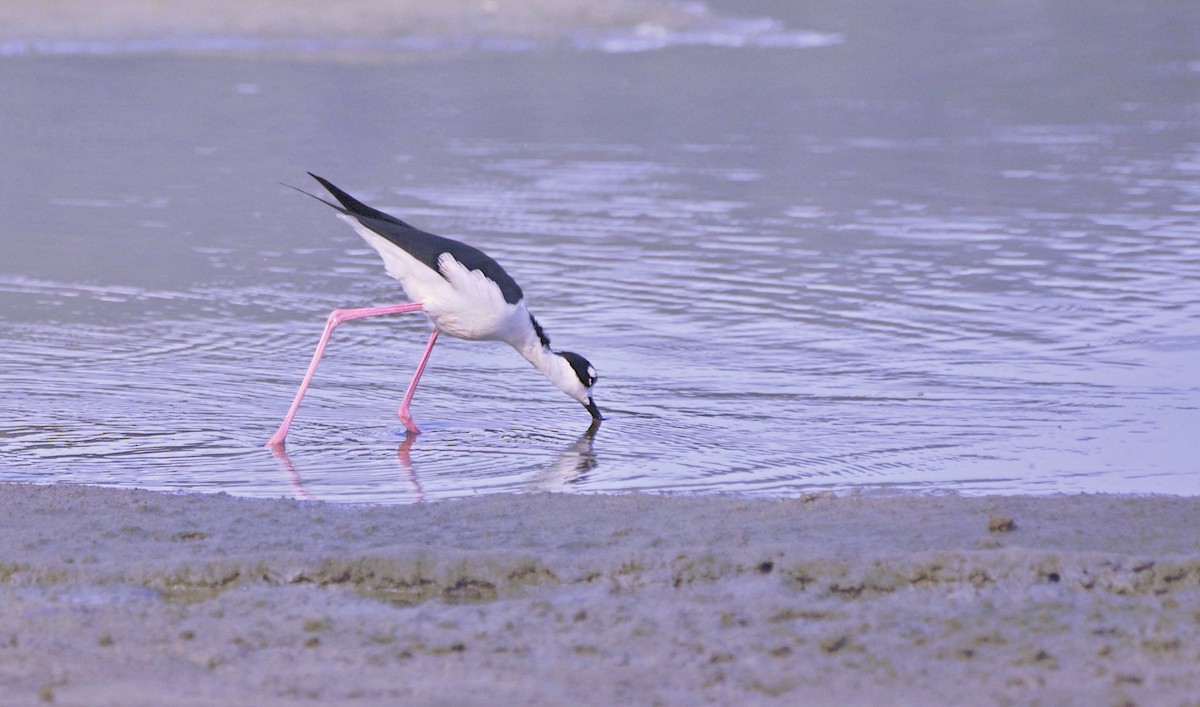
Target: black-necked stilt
[{"x": 464, "y": 293}]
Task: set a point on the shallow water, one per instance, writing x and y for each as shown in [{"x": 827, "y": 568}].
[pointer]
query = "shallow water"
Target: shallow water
[{"x": 957, "y": 259}]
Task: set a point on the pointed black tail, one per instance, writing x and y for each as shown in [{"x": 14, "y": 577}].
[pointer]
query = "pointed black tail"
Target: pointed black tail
[{"x": 356, "y": 207}]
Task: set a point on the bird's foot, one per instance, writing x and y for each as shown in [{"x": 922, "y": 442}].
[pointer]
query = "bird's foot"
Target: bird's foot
[{"x": 406, "y": 418}]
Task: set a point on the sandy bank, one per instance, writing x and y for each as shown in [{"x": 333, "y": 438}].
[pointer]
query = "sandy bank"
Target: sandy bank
[{"x": 129, "y": 597}]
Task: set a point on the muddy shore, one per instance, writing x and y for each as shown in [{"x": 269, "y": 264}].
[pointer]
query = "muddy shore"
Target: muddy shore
[{"x": 132, "y": 597}]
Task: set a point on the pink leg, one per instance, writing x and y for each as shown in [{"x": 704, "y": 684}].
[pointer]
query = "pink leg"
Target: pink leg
[
  {"x": 405, "y": 416},
  {"x": 336, "y": 317}
]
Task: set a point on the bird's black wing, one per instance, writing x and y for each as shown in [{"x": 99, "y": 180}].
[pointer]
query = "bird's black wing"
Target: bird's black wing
[{"x": 425, "y": 247}]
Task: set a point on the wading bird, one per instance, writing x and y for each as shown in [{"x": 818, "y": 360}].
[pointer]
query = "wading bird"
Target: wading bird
[{"x": 462, "y": 291}]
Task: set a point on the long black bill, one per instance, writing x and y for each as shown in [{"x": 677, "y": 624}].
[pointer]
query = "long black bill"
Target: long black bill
[{"x": 591, "y": 407}]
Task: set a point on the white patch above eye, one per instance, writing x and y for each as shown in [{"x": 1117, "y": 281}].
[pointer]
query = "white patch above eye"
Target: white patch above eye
[{"x": 591, "y": 372}]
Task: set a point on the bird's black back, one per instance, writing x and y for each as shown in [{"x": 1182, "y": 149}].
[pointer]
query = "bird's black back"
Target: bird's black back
[{"x": 425, "y": 247}]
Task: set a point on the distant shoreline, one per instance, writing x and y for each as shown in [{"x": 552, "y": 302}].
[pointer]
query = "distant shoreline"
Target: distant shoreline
[
  {"x": 138, "y": 597},
  {"x": 366, "y": 29}
]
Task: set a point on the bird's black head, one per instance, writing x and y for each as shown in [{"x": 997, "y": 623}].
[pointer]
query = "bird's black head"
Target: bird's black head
[{"x": 586, "y": 373}]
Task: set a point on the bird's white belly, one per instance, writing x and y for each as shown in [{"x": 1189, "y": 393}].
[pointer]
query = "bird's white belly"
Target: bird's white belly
[
  {"x": 469, "y": 306},
  {"x": 462, "y": 303}
]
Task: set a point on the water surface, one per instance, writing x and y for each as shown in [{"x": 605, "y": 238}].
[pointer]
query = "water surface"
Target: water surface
[{"x": 962, "y": 259}]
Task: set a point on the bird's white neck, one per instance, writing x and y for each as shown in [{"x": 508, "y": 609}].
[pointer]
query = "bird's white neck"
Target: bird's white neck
[
  {"x": 542, "y": 357},
  {"x": 554, "y": 367},
  {"x": 527, "y": 337}
]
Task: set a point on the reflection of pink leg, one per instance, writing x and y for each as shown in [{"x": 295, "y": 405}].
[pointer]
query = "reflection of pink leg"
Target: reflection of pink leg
[
  {"x": 404, "y": 414},
  {"x": 336, "y": 317},
  {"x": 404, "y": 454}
]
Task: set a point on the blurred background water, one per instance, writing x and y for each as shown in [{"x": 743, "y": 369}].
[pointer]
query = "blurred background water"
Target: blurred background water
[{"x": 902, "y": 245}]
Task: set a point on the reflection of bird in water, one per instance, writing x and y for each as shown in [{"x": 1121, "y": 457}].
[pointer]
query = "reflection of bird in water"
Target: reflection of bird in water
[
  {"x": 464, "y": 293},
  {"x": 406, "y": 467},
  {"x": 301, "y": 491},
  {"x": 569, "y": 468},
  {"x": 293, "y": 475},
  {"x": 571, "y": 465}
]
